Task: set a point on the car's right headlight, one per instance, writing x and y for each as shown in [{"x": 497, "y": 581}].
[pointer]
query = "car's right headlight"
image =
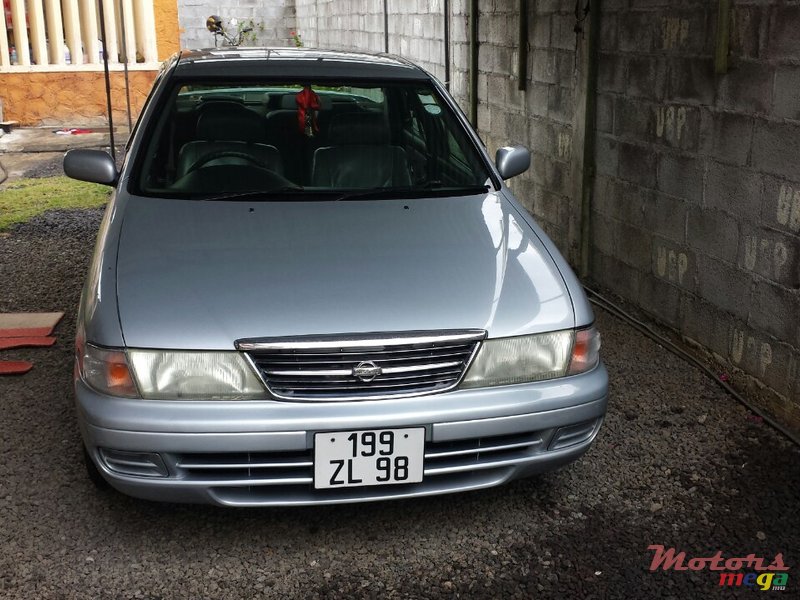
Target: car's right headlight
[{"x": 527, "y": 358}]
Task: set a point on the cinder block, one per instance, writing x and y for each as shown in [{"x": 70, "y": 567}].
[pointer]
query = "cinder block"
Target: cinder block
[
  {"x": 611, "y": 73},
  {"x": 563, "y": 32},
  {"x": 681, "y": 176},
  {"x": 665, "y": 216},
  {"x": 745, "y": 31},
  {"x": 713, "y": 232},
  {"x": 616, "y": 275},
  {"x": 776, "y": 148},
  {"x": 560, "y": 105},
  {"x": 634, "y": 246},
  {"x": 609, "y": 31},
  {"x": 775, "y": 310},
  {"x": 647, "y": 77},
  {"x": 606, "y": 155},
  {"x": 637, "y": 31},
  {"x": 724, "y": 285},
  {"x": 637, "y": 164},
  {"x": 726, "y": 136},
  {"x": 633, "y": 119},
  {"x": 706, "y": 324},
  {"x": 783, "y": 41},
  {"x": 786, "y": 103},
  {"x": 539, "y": 29},
  {"x": 747, "y": 88},
  {"x": 734, "y": 190},
  {"x": 660, "y": 299},
  {"x": 605, "y": 113},
  {"x": 603, "y": 233},
  {"x": 691, "y": 80},
  {"x": 772, "y": 255},
  {"x": 536, "y": 98},
  {"x": 542, "y": 65}
]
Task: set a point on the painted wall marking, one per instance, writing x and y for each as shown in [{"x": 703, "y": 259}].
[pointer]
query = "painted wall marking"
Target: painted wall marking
[
  {"x": 788, "y": 213},
  {"x": 774, "y": 253},
  {"x": 564, "y": 145},
  {"x": 741, "y": 343},
  {"x": 674, "y": 32},
  {"x": 672, "y": 265},
  {"x": 670, "y": 122}
]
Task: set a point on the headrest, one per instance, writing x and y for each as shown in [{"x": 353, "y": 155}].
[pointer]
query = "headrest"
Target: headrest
[
  {"x": 358, "y": 128},
  {"x": 222, "y": 121},
  {"x": 289, "y": 102}
]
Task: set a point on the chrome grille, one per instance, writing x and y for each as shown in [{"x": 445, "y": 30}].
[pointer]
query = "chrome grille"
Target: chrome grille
[
  {"x": 293, "y": 471},
  {"x": 363, "y": 367}
]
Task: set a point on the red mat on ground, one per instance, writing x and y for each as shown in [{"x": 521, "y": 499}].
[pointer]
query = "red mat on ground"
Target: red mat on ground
[
  {"x": 28, "y": 324},
  {"x": 14, "y": 367},
  {"x": 25, "y": 342}
]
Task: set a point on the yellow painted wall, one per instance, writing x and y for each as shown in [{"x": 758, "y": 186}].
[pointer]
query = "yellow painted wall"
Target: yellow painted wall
[
  {"x": 167, "y": 28},
  {"x": 70, "y": 98}
]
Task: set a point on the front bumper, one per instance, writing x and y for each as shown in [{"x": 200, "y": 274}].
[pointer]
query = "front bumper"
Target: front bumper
[{"x": 260, "y": 453}]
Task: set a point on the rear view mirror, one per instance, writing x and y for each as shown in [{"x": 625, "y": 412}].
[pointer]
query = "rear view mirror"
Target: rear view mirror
[
  {"x": 95, "y": 166},
  {"x": 512, "y": 160}
]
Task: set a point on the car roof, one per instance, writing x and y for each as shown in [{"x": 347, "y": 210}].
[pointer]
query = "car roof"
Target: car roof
[{"x": 295, "y": 62}]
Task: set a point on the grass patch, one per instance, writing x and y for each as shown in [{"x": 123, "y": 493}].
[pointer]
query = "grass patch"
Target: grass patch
[{"x": 23, "y": 199}]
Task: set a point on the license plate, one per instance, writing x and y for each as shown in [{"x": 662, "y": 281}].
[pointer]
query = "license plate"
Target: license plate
[{"x": 374, "y": 457}]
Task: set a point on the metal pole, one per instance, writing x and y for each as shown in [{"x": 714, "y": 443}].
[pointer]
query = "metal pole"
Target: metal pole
[
  {"x": 108, "y": 80},
  {"x": 386, "y": 26},
  {"x": 447, "y": 44},
  {"x": 125, "y": 64},
  {"x": 522, "y": 52},
  {"x": 474, "y": 11}
]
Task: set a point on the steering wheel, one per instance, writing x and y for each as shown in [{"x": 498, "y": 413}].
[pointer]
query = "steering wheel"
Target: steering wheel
[{"x": 204, "y": 160}]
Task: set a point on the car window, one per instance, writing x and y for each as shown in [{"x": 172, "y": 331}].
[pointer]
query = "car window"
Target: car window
[{"x": 212, "y": 138}]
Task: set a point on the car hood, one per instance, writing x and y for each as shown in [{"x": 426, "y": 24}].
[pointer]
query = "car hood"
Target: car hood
[{"x": 202, "y": 274}]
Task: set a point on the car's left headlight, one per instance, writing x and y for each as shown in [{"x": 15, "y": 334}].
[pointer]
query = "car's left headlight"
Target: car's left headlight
[
  {"x": 182, "y": 375},
  {"x": 507, "y": 361}
]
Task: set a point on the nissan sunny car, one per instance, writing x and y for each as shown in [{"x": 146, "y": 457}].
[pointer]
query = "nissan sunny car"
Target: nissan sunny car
[{"x": 311, "y": 285}]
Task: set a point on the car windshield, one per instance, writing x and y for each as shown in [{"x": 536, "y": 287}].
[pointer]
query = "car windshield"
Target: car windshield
[{"x": 323, "y": 139}]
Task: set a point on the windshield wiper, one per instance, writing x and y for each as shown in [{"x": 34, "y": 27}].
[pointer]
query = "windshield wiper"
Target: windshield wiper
[
  {"x": 435, "y": 189},
  {"x": 265, "y": 195}
]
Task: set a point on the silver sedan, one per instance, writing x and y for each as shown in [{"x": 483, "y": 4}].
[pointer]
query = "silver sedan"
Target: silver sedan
[{"x": 313, "y": 286}]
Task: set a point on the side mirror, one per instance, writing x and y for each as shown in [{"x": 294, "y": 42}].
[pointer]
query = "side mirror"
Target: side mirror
[
  {"x": 512, "y": 160},
  {"x": 95, "y": 166}
]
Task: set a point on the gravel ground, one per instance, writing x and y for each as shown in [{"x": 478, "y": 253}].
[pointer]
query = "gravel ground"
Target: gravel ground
[{"x": 677, "y": 463}]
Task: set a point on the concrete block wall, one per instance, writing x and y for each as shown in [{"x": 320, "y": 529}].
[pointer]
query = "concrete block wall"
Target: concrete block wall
[
  {"x": 274, "y": 20},
  {"x": 341, "y": 24},
  {"x": 696, "y": 209}
]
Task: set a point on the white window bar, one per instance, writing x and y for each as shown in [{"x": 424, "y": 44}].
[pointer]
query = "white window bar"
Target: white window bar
[
  {"x": 112, "y": 46},
  {"x": 38, "y": 35},
  {"x": 145, "y": 31},
  {"x": 20, "y": 32},
  {"x": 72, "y": 30},
  {"x": 55, "y": 32},
  {"x": 5, "y": 59},
  {"x": 89, "y": 31},
  {"x": 130, "y": 32}
]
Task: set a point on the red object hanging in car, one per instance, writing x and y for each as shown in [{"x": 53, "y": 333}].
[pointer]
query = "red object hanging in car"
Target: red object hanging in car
[{"x": 307, "y": 106}]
